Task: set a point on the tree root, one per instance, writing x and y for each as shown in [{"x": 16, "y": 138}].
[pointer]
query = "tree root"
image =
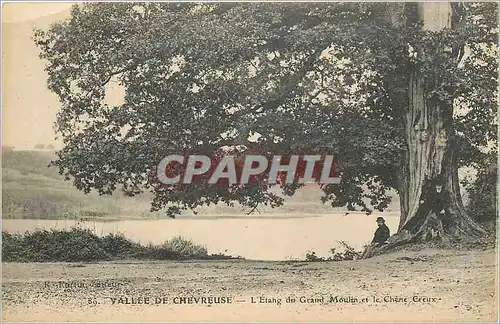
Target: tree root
[{"x": 430, "y": 233}]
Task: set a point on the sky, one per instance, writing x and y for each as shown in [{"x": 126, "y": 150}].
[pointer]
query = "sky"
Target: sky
[
  {"x": 28, "y": 107},
  {"x": 13, "y": 12}
]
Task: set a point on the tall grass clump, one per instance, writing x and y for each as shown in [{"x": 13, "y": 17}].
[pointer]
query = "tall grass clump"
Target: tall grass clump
[{"x": 185, "y": 247}]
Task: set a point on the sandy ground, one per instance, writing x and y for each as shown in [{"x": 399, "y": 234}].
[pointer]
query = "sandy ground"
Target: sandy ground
[{"x": 457, "y": 285}]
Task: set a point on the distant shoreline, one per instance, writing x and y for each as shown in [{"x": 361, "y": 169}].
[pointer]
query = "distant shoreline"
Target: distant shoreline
[{"x": 210, "y": 217}]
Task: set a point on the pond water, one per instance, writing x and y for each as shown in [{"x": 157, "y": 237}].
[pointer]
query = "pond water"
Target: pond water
[{"x": 276, "y": 237}]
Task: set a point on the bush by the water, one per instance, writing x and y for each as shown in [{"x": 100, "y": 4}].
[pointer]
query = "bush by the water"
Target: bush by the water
[
  {"x": 185, "y": 247},
  {"x": 82, "y": 245},
  {"x": 348, "y": 253}
]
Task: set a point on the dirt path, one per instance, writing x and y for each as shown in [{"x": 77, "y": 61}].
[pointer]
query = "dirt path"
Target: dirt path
[{"x": 430, "y": 285}]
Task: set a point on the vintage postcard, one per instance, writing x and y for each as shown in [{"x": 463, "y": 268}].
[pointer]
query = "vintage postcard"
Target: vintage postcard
[{"x": 249, "y": 161}]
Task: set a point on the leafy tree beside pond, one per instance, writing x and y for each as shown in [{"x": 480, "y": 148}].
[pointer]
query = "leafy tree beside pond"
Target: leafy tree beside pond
[{"x": 402, "y": 93}]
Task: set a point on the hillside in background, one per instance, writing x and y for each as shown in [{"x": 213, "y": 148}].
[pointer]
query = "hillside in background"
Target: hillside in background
[{"x": 31, "y": 189}]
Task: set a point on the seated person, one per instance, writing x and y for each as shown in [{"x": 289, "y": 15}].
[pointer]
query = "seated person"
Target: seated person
[{"x": 381, "y": 234}]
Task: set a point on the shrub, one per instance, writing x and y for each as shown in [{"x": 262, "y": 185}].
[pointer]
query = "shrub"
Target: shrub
[
  {"x": 13, "y": 247},
  {"x": 312, "y": 257},
  {"x": 155, "y": 252},
  {"x": 186, "y": 248},
  {"x": 74, "y": 245},
  {"x": 348, "y": 253},
  {"x": 82, "y": 245},
  {"x": 117, "y": 245}
]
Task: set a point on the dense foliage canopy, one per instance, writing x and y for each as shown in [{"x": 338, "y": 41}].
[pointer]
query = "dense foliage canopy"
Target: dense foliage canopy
[{"x": 274, "y": 77}]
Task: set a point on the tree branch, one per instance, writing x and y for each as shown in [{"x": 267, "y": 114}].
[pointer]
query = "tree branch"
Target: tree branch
[
  {"x": 287, "y": 87},
  {"x": 125, "y": 69}
]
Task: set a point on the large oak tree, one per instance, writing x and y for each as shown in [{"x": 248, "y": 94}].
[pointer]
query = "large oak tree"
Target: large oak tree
[{"x": 402, "y": 94}]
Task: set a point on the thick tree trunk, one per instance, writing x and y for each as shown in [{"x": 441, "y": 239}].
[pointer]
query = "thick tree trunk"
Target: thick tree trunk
[
  {"x": 431, "y": 204},
  {"x": 430, "y": 200}
]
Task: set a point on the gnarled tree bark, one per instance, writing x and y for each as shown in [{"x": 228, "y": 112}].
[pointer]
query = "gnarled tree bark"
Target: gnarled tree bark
[{"x": 430, "y": 200}]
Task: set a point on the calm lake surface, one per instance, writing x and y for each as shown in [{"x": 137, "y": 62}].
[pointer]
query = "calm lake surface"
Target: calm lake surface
[{"x": 258, "y": 238}]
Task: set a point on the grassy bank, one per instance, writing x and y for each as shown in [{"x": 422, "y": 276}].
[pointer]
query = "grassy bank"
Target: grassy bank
[{"x": 82, "y": 245}]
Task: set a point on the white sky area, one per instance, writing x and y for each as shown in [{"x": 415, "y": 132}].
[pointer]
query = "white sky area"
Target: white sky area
[
  {"x": 28, "y": 107},
  {"x": 13, "y": 12}
]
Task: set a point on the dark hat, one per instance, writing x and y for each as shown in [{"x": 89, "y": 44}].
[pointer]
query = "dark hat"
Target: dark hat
[{"x": 380, "y": 219}]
